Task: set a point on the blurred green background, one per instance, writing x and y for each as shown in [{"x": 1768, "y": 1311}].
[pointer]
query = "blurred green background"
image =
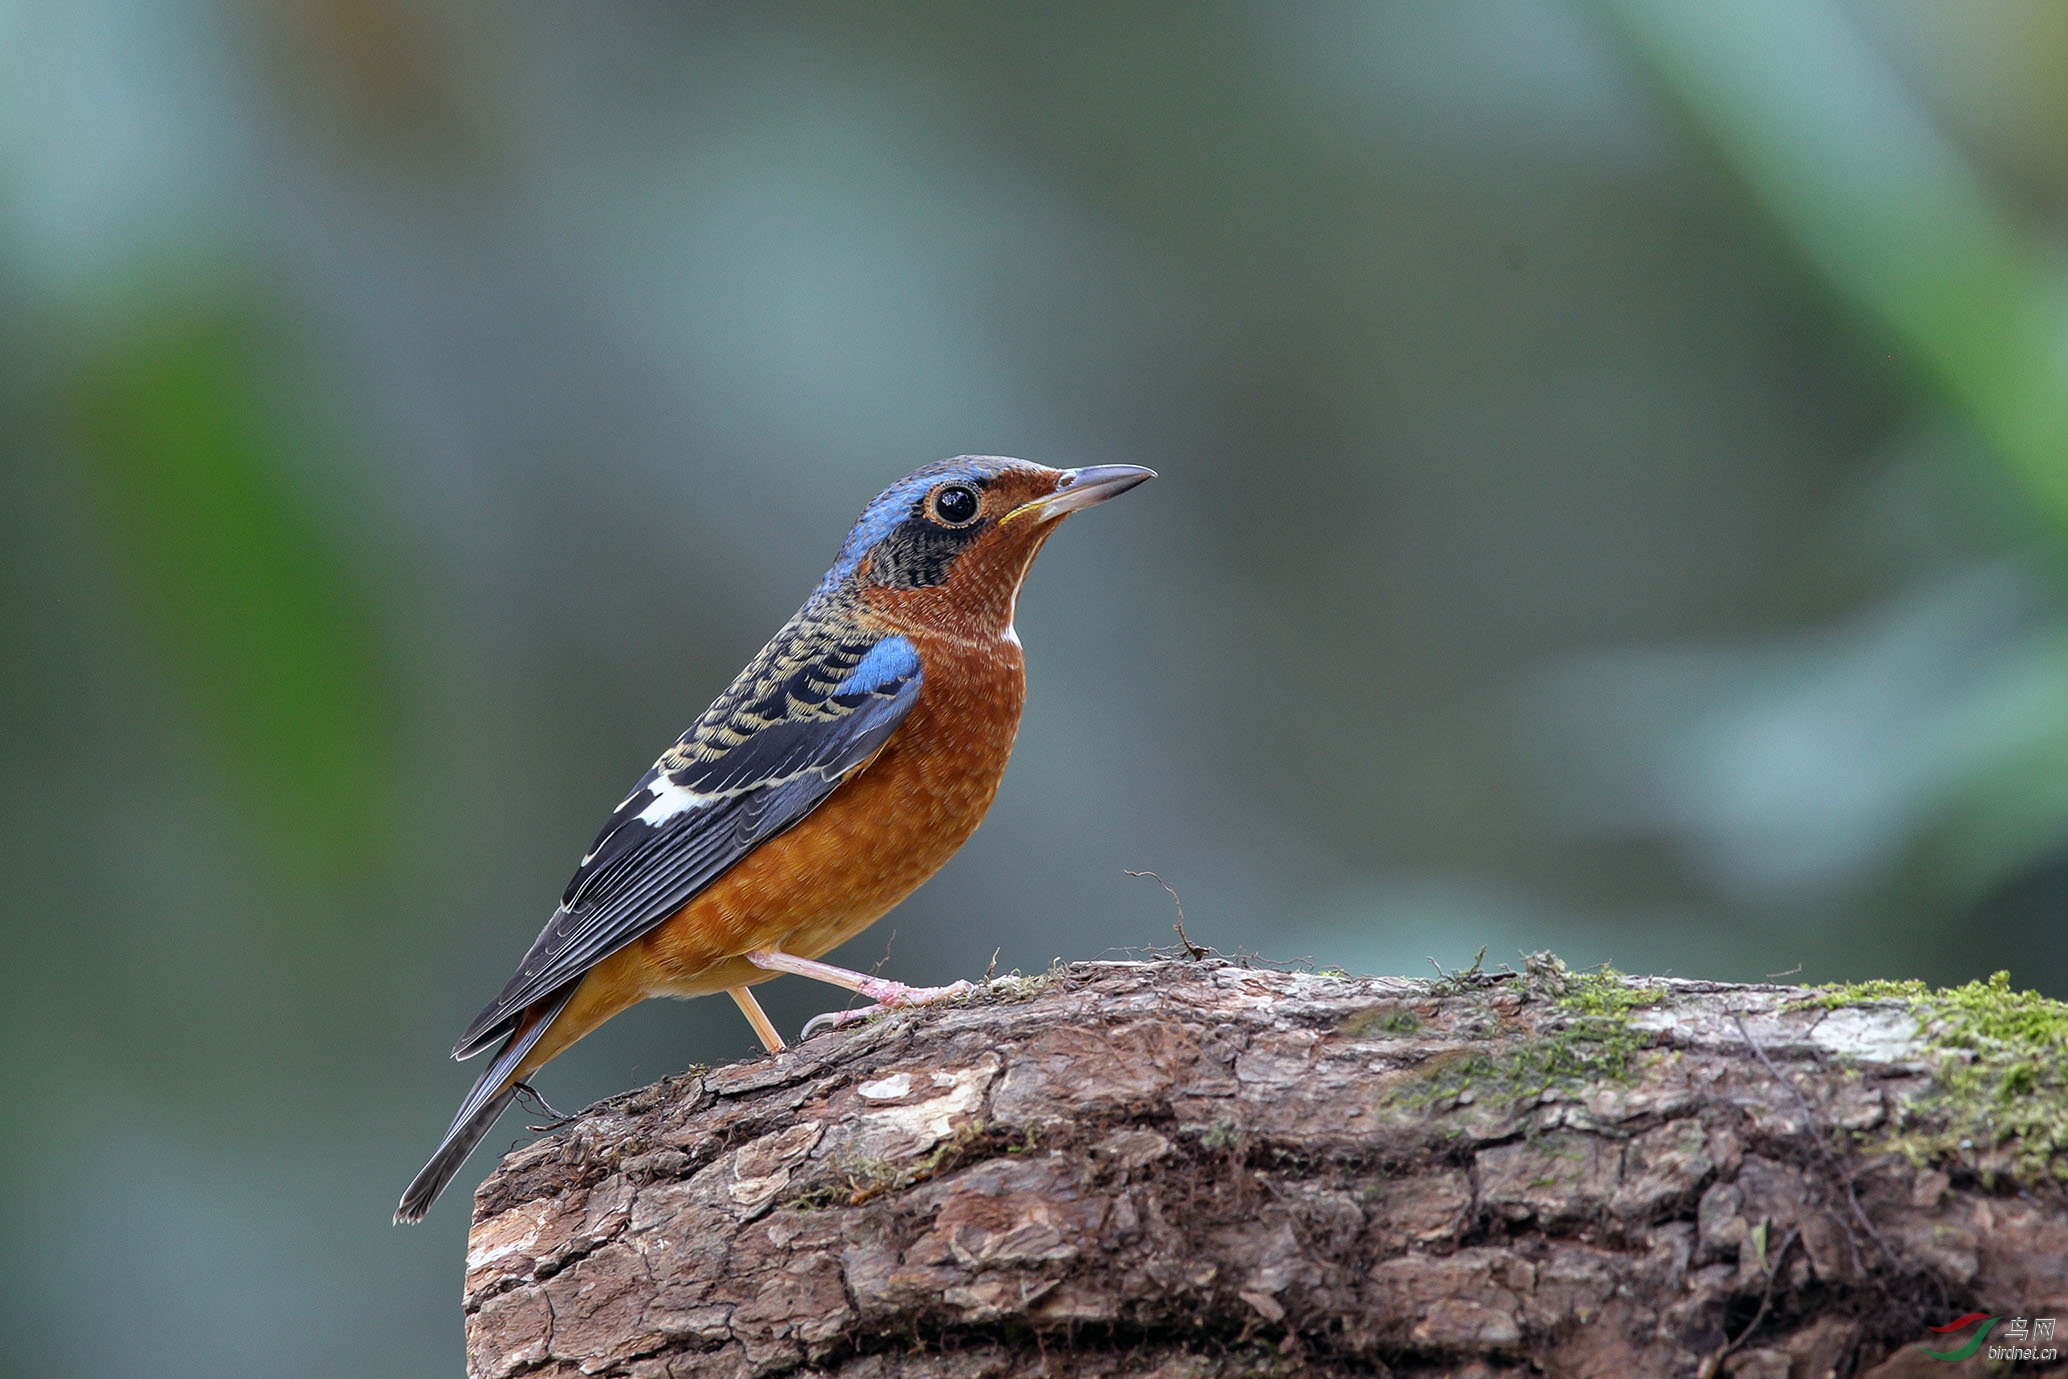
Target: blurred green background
[{"x": 1615, "y": 485}]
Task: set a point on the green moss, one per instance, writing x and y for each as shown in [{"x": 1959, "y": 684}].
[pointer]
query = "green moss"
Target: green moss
[
  {"x": 1587, "y": 1042},
  {"x": 1380, "y": 1020},
  {"x": 1832, "y": 995},
  {"x": 1999, "y": 1096},
  {"x": 1602, "y": 993},
  {"x": 1565, "y": 1060},
  {"x": 856, "y": 1177},
  {"x": 1459, "y": 980},
  {"x": 1018, "y": 986}
]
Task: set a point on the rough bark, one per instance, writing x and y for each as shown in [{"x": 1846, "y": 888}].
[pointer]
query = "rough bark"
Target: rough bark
[{"x": 1200, "y": 1168}]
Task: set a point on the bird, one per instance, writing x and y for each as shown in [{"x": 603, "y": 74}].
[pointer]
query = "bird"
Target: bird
[{"x": 838, "y": 771}]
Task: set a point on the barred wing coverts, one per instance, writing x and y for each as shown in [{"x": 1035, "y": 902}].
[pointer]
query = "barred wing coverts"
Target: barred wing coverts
[{"x": 804, "y": 714}]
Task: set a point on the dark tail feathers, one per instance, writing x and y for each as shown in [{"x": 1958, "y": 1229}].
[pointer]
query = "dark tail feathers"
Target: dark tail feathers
[
  {"x": 452, "y": 1152},
  {"x": 485, "y": 1102}
]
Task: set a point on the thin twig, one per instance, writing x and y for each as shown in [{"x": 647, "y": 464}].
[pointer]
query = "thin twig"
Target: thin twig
[
  {"x": 1831, "y": 1163},
  {"x": 559, "y": 1117},
  {"x": 1766, "y": 1300},
  {"x": 1192, "y": 949}
]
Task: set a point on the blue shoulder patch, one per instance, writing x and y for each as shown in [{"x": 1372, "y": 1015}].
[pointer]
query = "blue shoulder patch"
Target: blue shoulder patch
[{"x": 889, "y": 662}]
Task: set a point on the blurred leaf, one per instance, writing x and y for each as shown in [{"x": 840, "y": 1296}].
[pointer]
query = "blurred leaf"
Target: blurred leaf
[
  {"x": 1883, "y": 203},
  {"x": 2012, "y": 739},
  {"x": 271, "y": 674}
]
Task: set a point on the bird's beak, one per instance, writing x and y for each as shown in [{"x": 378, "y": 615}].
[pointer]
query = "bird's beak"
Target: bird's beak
[{"x": 1081, "y": 488}]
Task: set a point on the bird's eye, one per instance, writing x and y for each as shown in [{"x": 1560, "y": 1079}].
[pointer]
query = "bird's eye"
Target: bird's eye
[{"x": 955, "y": 505}]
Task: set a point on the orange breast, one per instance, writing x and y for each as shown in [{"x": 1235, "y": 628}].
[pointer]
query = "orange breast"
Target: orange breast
[{"x": 869, "y": 845}]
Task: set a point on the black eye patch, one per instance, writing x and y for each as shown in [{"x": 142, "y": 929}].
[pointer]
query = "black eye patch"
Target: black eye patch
[{"x": 917, "y": 554}]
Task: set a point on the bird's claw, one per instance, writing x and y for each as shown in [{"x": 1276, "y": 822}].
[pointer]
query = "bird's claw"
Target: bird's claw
[
  {"x": 901, "y": 998},
  {"x": 836, "y": 1019}
]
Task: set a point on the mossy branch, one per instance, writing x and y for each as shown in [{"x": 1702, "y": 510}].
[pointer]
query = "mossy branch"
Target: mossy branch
[{"x": 1205, "y": 1168}]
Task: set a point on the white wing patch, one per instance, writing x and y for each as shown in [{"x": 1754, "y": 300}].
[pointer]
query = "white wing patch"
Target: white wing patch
[{"x": 670, "y": 799}]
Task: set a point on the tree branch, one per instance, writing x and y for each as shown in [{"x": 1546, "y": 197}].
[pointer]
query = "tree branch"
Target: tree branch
[{"x": 1200, "y": 1168}]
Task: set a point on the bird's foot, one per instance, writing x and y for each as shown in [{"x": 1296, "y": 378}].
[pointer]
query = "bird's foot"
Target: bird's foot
[
  {"x": 898, "y": 997},
  {"x": 887, "y": 995}
]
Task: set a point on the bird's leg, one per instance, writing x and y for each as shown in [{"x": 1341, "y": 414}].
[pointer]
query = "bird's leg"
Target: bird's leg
[
  {"x": 887, "y": 995},
  {"x": 751, "y": 1008}
]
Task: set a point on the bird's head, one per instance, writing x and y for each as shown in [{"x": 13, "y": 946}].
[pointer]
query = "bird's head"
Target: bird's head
[{"x": 946, "y": 546}]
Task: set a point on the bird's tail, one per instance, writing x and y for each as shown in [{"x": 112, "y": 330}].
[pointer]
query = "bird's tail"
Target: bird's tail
[{"x": 485, "y": 1102}]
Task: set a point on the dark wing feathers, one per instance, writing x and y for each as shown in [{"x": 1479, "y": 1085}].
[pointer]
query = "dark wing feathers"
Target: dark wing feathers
[{"x": 812, "y": 707}]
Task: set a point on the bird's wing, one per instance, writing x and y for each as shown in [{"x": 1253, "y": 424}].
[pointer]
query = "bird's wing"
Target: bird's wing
[{"x": 803, "y": 715}]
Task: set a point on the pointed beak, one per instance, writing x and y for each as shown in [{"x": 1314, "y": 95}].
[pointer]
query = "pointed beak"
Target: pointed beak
[{"x": 1081, "y": 488}]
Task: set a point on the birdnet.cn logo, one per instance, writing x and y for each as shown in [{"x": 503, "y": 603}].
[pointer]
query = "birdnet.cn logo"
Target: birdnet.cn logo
[{"x": 2022, "y": 1338}]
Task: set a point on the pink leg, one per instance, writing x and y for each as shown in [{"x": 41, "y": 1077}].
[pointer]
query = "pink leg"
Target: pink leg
[{"x": 887, "y": 995}]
